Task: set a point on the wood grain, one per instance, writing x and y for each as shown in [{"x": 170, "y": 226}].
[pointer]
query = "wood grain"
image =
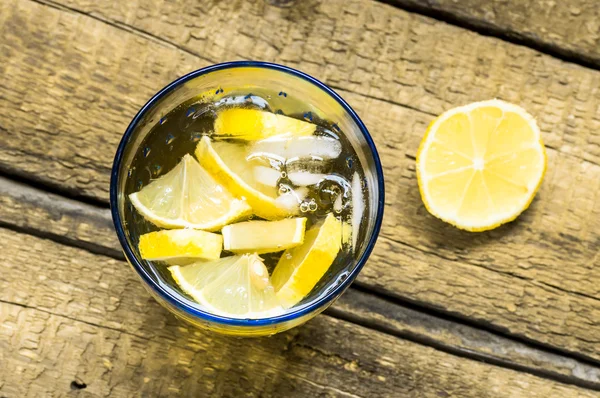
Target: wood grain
[
  {"x": 24, "y": 208},
  {"x": 91, "y": 322},
  {"x": 571, "y": 28},
  {"x": 69, "y": 221},
  {"x": 66, "y": 101},
  {"x": 379, "y": 51}
]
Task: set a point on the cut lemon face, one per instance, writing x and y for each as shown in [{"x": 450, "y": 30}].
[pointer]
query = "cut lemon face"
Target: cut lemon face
[
  {"x": 180, "y": 244},
  {"x": 188, "y": 197},
  {"x": 264, "y": 236},
  {"x": 227, "y": 163},
  {"x": 252, "y": 124},
  {"x": 236, "y": 286},
  {"x": 480, "y": 165},
  {"x": 299, "y": 269}
]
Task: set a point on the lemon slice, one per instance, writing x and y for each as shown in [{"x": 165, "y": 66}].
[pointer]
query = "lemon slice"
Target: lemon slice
[
  {"x": 180, "y": 244},
  {"x": 188, "y": 197},
  {"x": 264, "y": 236},
  {"x": 480, "y": 165},
  {"x": 252, "y": 124},
  {"x": 299, "y": 269},
  {"x": 227, "y": 163},
  {"x": 236, "y": 286}
]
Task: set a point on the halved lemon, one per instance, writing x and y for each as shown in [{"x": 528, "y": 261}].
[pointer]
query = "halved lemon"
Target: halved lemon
[
  {"x": 227, "y": 163},
  {"x": 252, "y": 124},
  {"x": 180, "y": 244},
  {"x": 236, "y": 286},
  {"x": 480, "y": 165},
  {"x": 264, "y": 236},
  {"x": 299, "y": 269},
  {"x": 188, "y": 197}
]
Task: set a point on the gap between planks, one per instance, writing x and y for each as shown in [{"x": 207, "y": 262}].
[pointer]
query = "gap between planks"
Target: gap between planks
[{"x": 83, "y": 225}]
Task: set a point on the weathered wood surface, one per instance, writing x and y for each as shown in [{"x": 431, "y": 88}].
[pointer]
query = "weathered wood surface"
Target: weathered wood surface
[
  {"x": 378, "y": 51},
  {"x": 91, "y": 322},
  {"x": 68, "y": 221},
  {"x": 570, "y": 28},
  {"x": 66, "y": 101},
  {"x": 24, "y": 208}
]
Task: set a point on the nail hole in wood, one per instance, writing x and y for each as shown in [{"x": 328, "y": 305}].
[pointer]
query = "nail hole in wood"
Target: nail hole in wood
[
  {"x": 281, "y": 3},
  {"x": 78, "y": 385}
]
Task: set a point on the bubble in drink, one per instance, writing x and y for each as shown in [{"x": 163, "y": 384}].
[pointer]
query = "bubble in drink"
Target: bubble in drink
[{"x": 304, "y": 207}]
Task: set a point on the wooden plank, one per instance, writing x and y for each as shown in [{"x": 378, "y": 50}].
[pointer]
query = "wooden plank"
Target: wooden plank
[
  {"x": 78, "y": 224},
  {"x": 569, "y": 28},
  {"x": 91, "y": 322},
  {"x": 460, "y": 339},
  {"x": 379, "y": 51},
  {"x": 73, "y": 87},
  {"x": 418, "y": 258},
  {"x": 66, "y": 220}
]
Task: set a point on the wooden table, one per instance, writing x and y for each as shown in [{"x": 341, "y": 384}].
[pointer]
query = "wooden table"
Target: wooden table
[{"x": 437, "y": 312}]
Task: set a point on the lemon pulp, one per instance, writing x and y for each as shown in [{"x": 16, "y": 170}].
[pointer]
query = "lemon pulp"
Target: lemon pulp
[
  {"x": 235, "y": 286},
  {"x": 226, "y": 162},
  {"x": 300, "y": 269},
  {"x": 264, "y": 236},
  {"x": 180, "y": 244},
  {"x": 253, "y": 124},
  {"x": 188, "y": 197},
  {"x": 480, "y": 165}
]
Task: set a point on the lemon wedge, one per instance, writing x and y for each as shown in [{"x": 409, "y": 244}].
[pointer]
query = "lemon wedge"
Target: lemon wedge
[
  {"x": 236, "y": 286},
  {"x": 188, "y": 197},
  {"x": 480, "y": 165},
  {"x": 264, "y": 236},
  {"x": 227, "y": 163},
  {"x": 299, "y": 269},
  {"x": 252, "y": 124},
  {"x": 180, "y": 244}
]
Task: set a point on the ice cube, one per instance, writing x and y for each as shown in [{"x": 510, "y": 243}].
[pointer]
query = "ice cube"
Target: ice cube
[
  {"x": 292, "y": 199},
  {"x": 310, "y": 166},
  {"x": 337, "y": 205},
  {"x": 305, "y": 178},
  {"x": 358, "y": 207},
  {"x": 266, "y": 176},
  {"x": 289, "y": 148}
]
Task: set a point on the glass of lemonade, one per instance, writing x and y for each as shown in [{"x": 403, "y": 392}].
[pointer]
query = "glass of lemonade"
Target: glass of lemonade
[{"x": 247, "y": 196}]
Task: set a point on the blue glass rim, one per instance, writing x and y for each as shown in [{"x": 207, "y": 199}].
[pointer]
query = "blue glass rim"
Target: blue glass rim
[{"x": 175, "y": 300}]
